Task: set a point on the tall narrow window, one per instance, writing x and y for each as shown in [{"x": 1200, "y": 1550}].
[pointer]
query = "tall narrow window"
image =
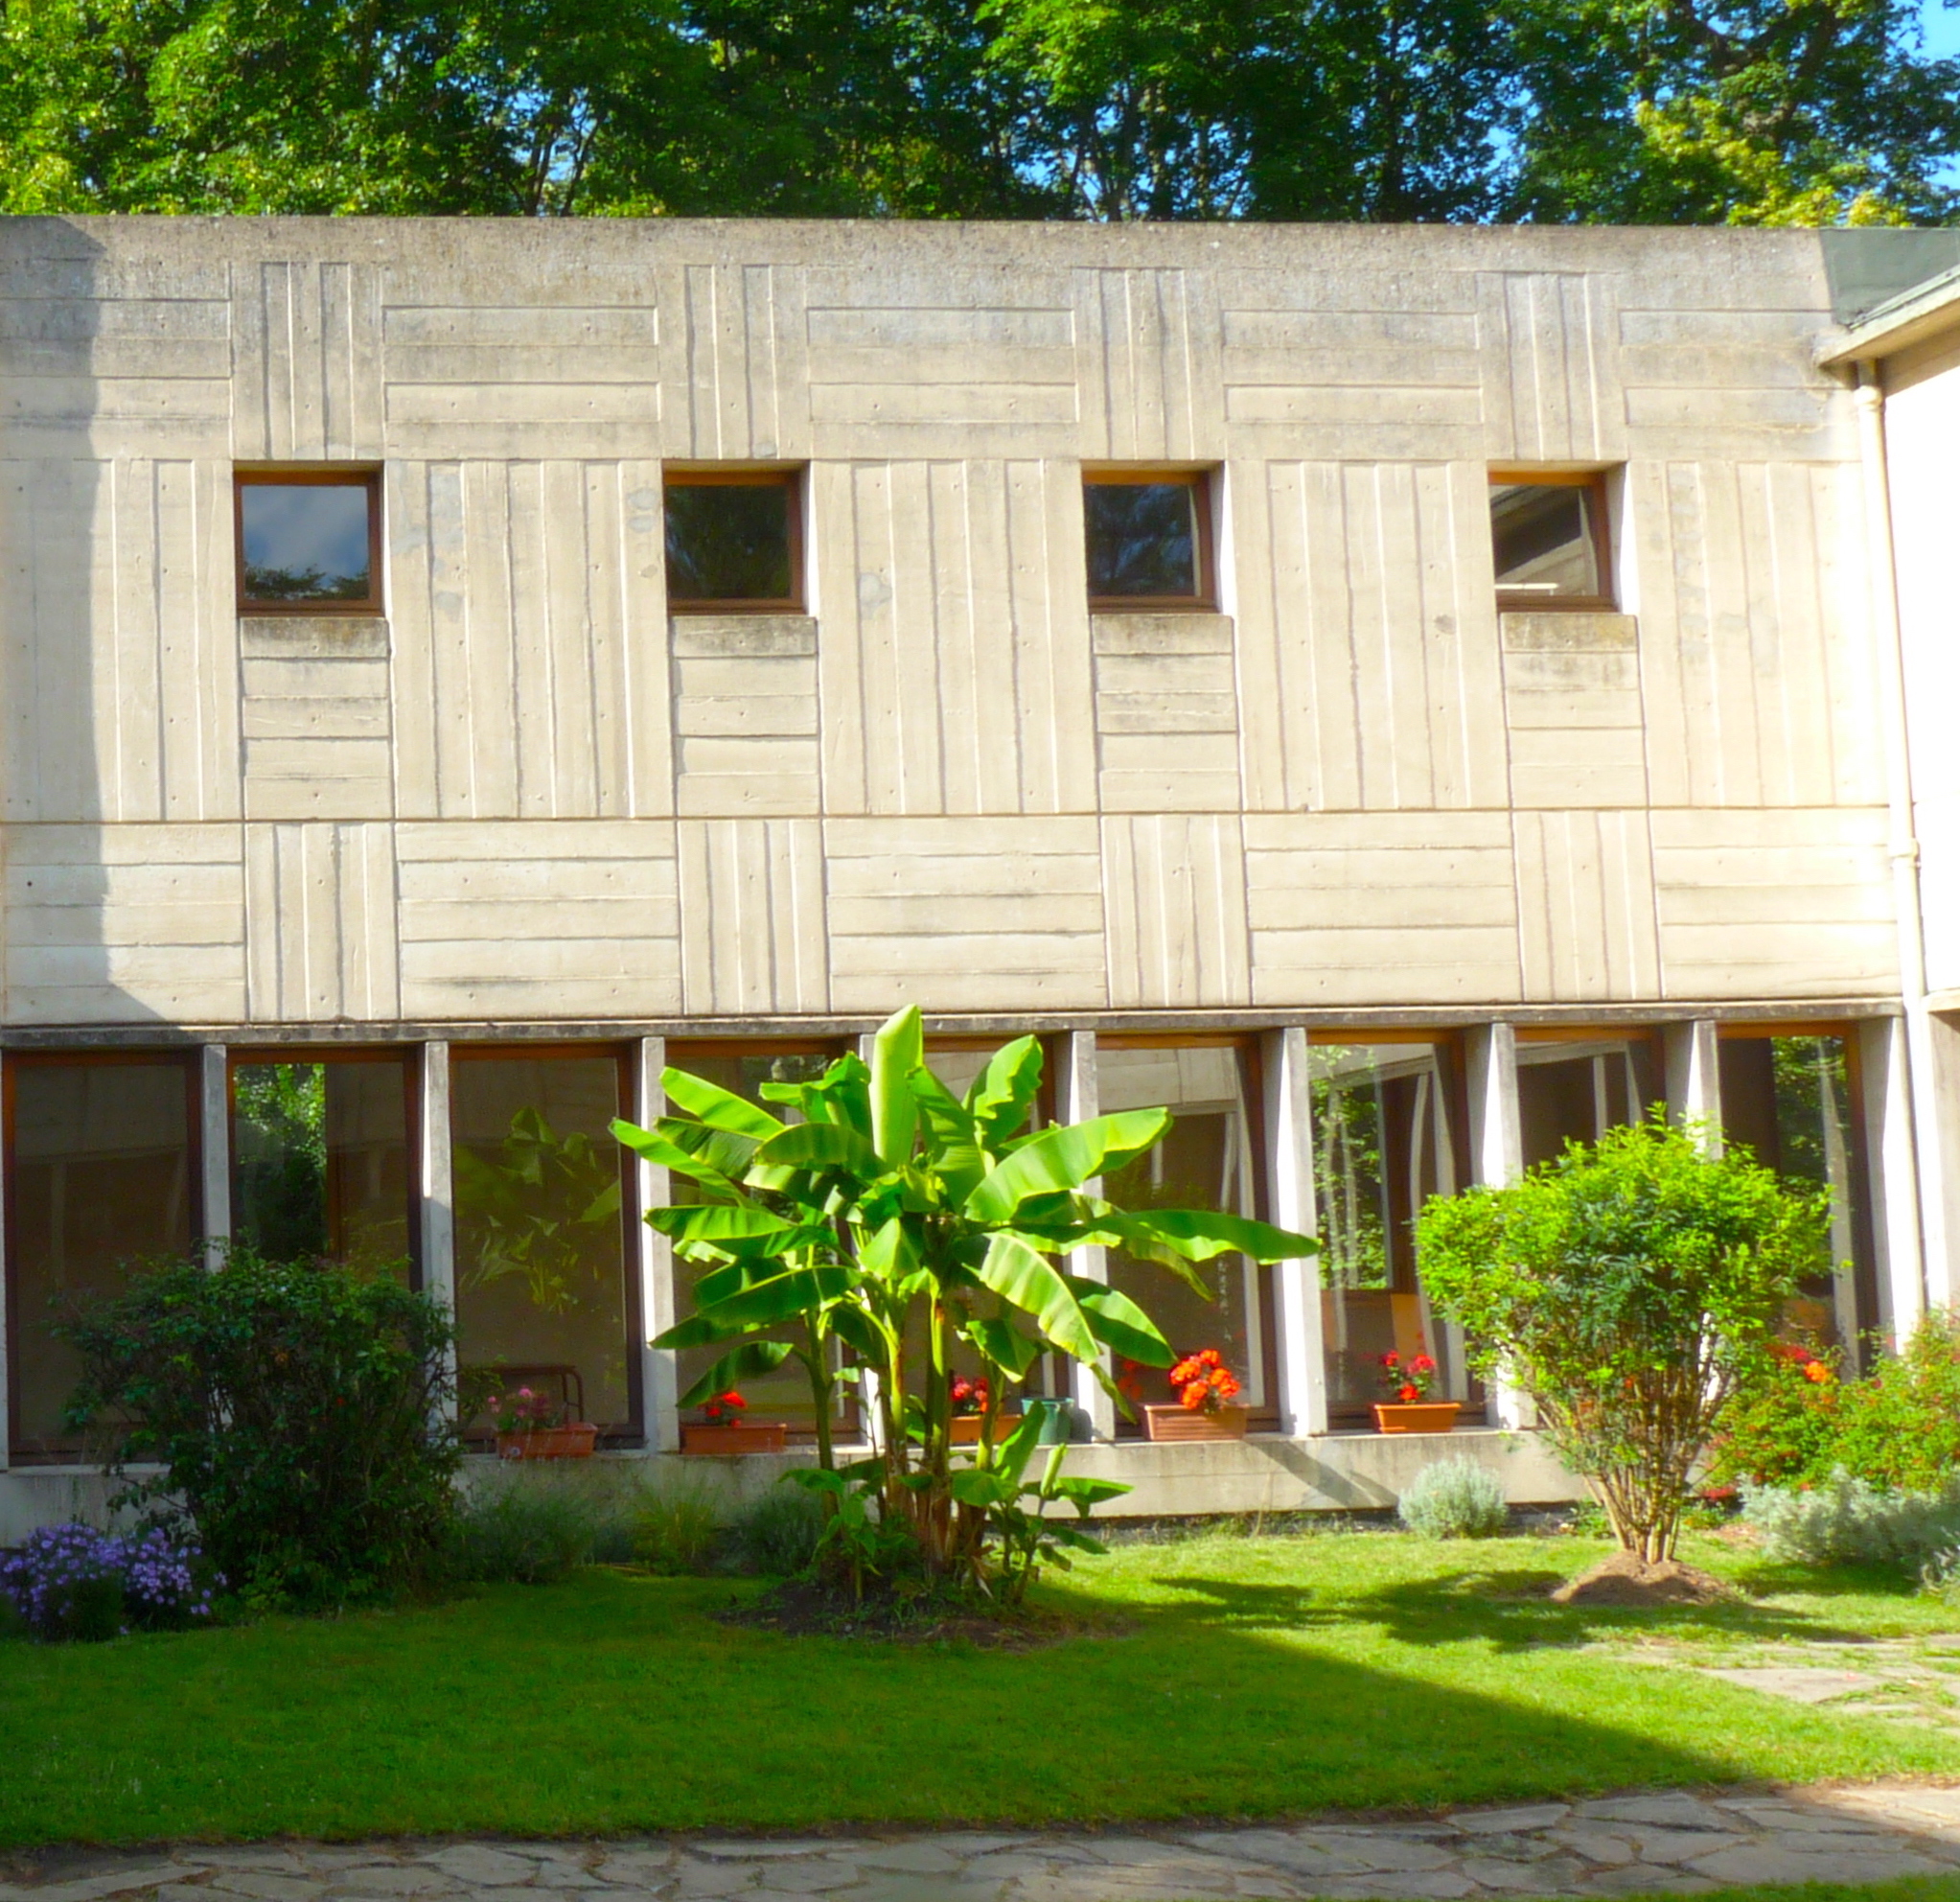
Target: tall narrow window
[
  {"x": 1148, "y": 540},
  {"x": 543, "y": 1298},
  {"x": 320, "y": 1159},
  {"x": 1792, "y": 1099},
  {"x": 1549, "y": 542},
  {"x": 1575, "y": 1089},
  {"x": 1210, "y": 1160},
  {"x": 100, "y": 1173},
  {"x": 1382, "y": 1145},
  {"x": 734, "y": 543},
  {"x": 309, "y": 542}
]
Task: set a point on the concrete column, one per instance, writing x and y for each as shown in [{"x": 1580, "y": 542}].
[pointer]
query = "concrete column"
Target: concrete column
[
  {"x": 1936, "y": 1129},
  {"x": 1302, "y": 1356},
  {"x": 1497, "y": 1156},
  {"x": 652, "y": 1258},
  {"x": 1076, "y": 1099},
  {"x": 435, "y": 1185},
  {"x": 1892, "y": 1169},
  {"x": 214, "y": 1103},
  {"x": 1694, "y": 1056}
]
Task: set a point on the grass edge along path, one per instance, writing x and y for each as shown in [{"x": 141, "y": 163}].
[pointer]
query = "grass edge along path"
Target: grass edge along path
[{"x": 1254, "y": 1677}]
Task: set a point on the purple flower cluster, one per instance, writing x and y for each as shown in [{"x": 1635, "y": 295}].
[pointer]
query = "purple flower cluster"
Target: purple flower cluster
[{"x": 71, "y": 1581}]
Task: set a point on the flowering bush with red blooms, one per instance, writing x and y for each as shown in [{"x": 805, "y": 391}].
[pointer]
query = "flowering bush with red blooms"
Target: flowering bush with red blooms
[
  {"x": 1203, "y": 1382},
  {"x": 1408, "y": 1380},
  {"x": 969, "y": 1397},
  {"x": 725, "y": 1410}
]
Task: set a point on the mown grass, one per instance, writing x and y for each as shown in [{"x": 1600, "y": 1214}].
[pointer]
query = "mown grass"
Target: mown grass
[{"x": 1254, "y": 1677}]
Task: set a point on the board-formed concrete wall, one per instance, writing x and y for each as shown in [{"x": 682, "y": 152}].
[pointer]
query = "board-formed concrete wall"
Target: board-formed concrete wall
[{"x": 527, "y": 797}]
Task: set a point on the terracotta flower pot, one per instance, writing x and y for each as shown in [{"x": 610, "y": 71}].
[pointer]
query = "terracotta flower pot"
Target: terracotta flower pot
[
  {"x": 749, "y": 1436},
  {"x": 1181, "y": 1423},
  {"x": 574, "y": 1441},
  {"x": 966, "y": 1428},
  {"x": 1416, "y": 1416}
]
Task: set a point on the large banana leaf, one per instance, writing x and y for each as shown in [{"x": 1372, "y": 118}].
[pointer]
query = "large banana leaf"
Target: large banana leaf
[
  {"x": 1119, "y": 1324},
  {"x": 1199, "y": 1234},
  {"x": 821, "y": 1145},
  {"x": 1031, "y": 1281},
  {"x": 897, "y": 1050},
  {"x": 749, "y": 1361},
  {"x": 722, "y": 1222},
  {"x": 717, "y": 1107},
  {"x": 767, "y": 1304},
  {"x": 1066, "y": 1158},
  {"x": 1005, "y": 1091},
  {"x": 1003, "y": 1343},
  {"x": 653, "y": 1147},
  {"x": 956, "y": 1154}
]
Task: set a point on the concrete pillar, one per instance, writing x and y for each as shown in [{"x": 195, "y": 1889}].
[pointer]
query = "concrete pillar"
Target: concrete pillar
[
  {"x": 1076, "y": 1099},
  {"x": 1936, "y": 1129},
  {"x": 1693, "y": 1056},
  {"x": 1892, "y": 1169},
  {"x": 214, "y": 1105},
  {"x": 651, "y": 1258},
  {"x": 1302, "y": 1356},
  {"x": 1497, "y": 1156},
  {"x": 435, "y": 1185}
]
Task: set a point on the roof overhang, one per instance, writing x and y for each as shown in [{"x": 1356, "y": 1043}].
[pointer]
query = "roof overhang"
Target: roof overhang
[{"x": 1925, "y": 311}]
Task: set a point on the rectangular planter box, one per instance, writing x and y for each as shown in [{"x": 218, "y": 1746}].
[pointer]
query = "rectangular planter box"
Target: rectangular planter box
[
  {"x": 1178, "y": 1423},
  {"x": 751, "y": 1437},
  {"x": 966, "y": 1428},
  {"x": 1421, "y": 1416},
  {"x": 573, "y": 1442}
]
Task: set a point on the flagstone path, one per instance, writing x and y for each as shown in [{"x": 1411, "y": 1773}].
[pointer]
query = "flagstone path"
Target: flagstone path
[{"x": 1674, "y": 1842}]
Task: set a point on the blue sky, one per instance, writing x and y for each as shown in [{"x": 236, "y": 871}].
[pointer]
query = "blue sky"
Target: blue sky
[{"x": 1942, "y": 28}]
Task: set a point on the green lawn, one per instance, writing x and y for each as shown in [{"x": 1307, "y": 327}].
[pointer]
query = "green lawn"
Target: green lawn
[{"x": 1256, "y": 1677}]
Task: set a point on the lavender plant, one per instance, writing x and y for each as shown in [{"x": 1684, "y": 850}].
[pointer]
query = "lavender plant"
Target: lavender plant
[{"x": 74, "y": 1582}]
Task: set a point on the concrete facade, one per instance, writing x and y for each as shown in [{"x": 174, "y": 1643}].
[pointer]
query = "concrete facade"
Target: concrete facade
[{"x": 525, "y": 803}]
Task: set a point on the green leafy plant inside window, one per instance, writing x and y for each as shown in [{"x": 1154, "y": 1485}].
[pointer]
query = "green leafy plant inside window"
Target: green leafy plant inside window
[{"x": 537, "y": 1205}]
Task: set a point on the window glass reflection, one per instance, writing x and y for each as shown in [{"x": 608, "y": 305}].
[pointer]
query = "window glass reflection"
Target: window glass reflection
[
  {"x": 321, "y": 1161},
  {"x": 1381, "y": 1147},
  {"x": 730, "y": 541},
  {"x": 1574, "y": 1092},
  {"x": 541, "y": 1283},
  {"x": 1207, "y": 1162},
  {"x": 305, "y": 541},
  {"x": 1143, "y": 539},
  {"x": 1545, "y": 540},
  {"x": 101, "y": 1177}
]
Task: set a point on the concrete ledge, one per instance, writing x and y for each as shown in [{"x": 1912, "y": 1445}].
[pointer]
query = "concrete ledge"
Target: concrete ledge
[{"x": 313, "y": 636}]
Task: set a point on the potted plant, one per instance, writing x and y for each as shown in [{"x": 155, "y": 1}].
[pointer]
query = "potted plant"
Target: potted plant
[
  {"x": 969, "y": 1402},
  {"x": 1204, "y": 1388},
  {"x": 722, "y": 1428},
  {"x": 533, "y": 1425},
  {"x": 1409, "y": 1409}
]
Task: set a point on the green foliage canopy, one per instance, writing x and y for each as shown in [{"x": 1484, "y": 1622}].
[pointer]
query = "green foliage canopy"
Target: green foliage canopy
[
  {"x": 1626, "y": 1288},
  {"x": 1751, "y": 111}
]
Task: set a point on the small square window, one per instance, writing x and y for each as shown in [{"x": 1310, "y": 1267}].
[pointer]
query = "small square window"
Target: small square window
[
  {"x": 308, "y": 544},
  {"x": 1549, "y": 542},
  {"x": 734, "y": 543},
  {"x": 1149, "y": 540}
]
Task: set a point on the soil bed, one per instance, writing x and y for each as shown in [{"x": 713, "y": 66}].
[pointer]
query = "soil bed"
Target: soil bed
[
  {"x": 1625, "y": 1579},
  {"x": 802, "y": 1610}
]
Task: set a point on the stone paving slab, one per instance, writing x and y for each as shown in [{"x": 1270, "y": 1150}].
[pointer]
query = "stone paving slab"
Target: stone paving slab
[{"x": 1649, "y": 1843}]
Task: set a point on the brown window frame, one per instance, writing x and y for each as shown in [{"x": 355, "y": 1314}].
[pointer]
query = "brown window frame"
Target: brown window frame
[
  {"x": 242, "y": 1056},
  {"x": 1600, "y": 522},
  {"x": 1200, "y": 481},
  {"x": 333, "y": 476},
  {"x": 748, "y": 475},
  {"x": 634, "y": 1312},
  {"x": 70, "y": 1449}
]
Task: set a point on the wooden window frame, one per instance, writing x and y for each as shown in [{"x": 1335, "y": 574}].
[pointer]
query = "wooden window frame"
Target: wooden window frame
[
  {"x": 70, "y": 1452},
  {"x": 243, "y": 1056},
  {"x": 724, "y": 476},
  {"x": 622, "y": 1057},
  {"x": 1201, "y": 480},
  {"x": 1599, "y": 527},
  {"x": 319, "y": 477}
]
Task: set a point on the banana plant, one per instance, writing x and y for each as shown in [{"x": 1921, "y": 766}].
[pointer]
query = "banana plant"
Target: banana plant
[{"x": 892, "y": 1210}]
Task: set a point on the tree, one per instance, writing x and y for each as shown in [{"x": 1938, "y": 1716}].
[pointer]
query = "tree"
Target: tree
[
  {"x": 1626, "y": 1288},
  {"x": 910, "y": 1226}
]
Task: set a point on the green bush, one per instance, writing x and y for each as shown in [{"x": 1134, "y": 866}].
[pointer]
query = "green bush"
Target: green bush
[
  {"x": 778, "y": 1534},
  {"x": 1795, "y": 1422},
  {"x": 1455, "y": 1498},
  {"x": 676, "y": 1533},
  {"x": 295, "y": 1408},
  {"x": 526, "y": 1525},
  {"x": 1846, "y": 1520}
]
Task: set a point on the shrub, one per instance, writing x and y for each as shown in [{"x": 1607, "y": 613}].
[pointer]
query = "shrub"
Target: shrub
[
  {"x": 526, "y": 1527},
  {"x": 778, "y": 1534},
  {"x": 1455, "y": 1498},
  {"x": 676, "y": 1533},
  {"x": 1848, "y": 1521},
  {"x": 295, "y": 1408},
  {"x": 1795, "y": 1421},
  {"x": 73, "y": 1582},
  {"x": 1625, "y": 1287}
]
